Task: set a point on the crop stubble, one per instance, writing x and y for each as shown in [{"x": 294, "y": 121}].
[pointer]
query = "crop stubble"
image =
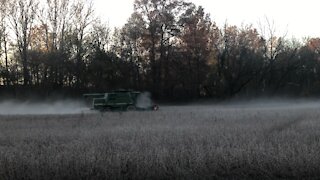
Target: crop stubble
[{"x": 177, "y": 142}]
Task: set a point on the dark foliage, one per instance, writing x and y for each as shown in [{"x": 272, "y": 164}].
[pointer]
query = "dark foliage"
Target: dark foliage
[{"x": 171, "y": 48}]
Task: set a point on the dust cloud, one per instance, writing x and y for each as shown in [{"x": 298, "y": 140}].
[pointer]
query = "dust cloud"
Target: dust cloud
[
  {"x": 275, "y": 103},
  {"x": 144, "y": 100},
  {"x": 259, "y": 104},
  {"x": 42, "y": 108},
  {"x": 64, "y": 107}
]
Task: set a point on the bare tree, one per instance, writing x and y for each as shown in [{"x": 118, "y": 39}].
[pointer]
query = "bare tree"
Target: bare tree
[
  {"x": 4, "y": 37},
  {"x": 56, "y": 17},
  {"x": 273, "y": 47},
  {"x": 83, "y": 17},
  {"x": 22, "y": 16}
]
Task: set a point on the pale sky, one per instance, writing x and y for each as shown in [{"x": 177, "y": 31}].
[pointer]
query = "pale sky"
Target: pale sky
[{"x": 292, "y": 17}]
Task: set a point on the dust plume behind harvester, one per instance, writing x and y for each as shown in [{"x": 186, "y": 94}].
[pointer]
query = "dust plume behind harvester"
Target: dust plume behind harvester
[{"x": 123, "y": 100}]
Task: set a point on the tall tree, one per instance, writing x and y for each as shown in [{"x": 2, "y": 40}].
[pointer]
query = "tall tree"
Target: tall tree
[
  {"x": 22, "y": 16},
  {"x": 83, "y": 17},
  {"x": 197, "y": 45},
  {"x": 4, "y": 37},
  {"x": 273, "y": 47},
  {"x": 56, "y": 16},
  {"x": 161, "y": 27},
  {"x": 99, "y": 66},
  {"x": 240, "y": 58},
  {"x": 132, "y": 47}
]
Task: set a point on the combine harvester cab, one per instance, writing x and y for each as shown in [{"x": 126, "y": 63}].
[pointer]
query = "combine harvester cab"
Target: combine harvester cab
[{"x": 122, "y": 100}]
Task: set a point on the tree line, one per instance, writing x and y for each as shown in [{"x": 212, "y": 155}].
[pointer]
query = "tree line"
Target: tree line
[{"x": 171, "y": 48}]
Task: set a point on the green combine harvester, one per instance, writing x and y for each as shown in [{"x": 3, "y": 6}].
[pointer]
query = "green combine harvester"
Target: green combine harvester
[{"x": 123, "y": 100}]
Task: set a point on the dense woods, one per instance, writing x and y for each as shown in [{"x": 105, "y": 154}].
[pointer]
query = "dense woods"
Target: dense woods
[{"x": 169, "y": 47}]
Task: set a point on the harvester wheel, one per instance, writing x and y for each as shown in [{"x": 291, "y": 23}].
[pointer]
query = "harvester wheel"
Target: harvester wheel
[
  {"x": 131, "y": 108},
  {"x": 155, "y": 107},
  {"x": 104, "y": 109}
]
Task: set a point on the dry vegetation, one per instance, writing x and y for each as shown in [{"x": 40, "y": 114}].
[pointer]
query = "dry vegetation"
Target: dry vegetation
[{"x": 191, "y": 142}]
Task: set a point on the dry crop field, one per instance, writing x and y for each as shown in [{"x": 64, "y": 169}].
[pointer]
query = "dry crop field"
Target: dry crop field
[{"x": 177, "y": 142}]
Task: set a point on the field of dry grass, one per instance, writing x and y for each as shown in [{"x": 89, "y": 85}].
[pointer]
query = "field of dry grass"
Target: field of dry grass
[{"x": 177, "y": 142}]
